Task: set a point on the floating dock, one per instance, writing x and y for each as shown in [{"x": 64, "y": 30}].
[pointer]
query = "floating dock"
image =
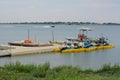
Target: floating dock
[
  {"x": 84, "y": 49},
  {"x": 23, "y": 50},
  {"x": 4, "y": 53}
]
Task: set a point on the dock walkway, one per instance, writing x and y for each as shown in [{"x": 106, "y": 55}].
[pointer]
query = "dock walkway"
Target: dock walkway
[
  {"x": 21, "y": 50},
  {"x": 4, "y": 53}
]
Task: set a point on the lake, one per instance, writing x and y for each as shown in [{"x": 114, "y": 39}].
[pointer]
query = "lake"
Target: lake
[{"x": 41, "y": 33}]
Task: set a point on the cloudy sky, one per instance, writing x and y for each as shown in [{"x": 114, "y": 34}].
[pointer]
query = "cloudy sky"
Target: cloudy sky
[{"x": 60, "y": 10}]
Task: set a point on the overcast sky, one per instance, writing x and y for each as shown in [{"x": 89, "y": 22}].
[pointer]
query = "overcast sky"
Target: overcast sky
[{"x": 60, "y": 10}]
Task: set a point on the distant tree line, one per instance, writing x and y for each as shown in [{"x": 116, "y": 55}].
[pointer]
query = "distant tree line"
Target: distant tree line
[{"x": 67, "y": 23}]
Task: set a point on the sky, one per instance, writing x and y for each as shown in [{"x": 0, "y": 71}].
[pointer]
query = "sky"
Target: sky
[{"x": 60, "y": 10}]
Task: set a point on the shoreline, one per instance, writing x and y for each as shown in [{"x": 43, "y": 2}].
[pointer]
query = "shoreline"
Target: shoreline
[
  {"x": 18, "y": 71},
  {"x": 65, "y": 23}
]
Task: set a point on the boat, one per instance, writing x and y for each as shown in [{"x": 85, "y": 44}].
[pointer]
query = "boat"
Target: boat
[
  {"x": 29, "y": 43},
  {"x": 84, "y": 44},
  {"x": 23, "y": 44}
]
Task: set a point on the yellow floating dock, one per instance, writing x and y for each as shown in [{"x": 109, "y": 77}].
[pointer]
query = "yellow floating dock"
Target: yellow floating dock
[{"x": 84, "y": 49}]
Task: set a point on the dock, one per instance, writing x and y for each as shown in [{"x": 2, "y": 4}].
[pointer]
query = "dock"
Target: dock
[
  {"x": 4, "y": 53},
  {"x": 23, "y": 50}
]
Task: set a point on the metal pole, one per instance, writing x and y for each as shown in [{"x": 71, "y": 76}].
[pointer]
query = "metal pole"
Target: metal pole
[
  {"x": 28, "y": 33},
  {"x": 52, "y": 33}
]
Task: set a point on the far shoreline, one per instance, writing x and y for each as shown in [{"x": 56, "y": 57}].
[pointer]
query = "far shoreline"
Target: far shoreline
[{"x": 64, "y": 23}]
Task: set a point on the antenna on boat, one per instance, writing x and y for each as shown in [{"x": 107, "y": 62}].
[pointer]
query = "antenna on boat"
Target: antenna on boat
[
  {"x": 35, "y": 38},
  {"x": 28, "y": 38},
  {"x": 28, "y": 33}
]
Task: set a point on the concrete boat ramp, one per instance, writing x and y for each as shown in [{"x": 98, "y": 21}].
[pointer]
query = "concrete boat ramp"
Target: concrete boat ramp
[{"x": 21, "y": 50}]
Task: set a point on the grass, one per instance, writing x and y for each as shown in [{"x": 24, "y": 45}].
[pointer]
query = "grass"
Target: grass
[{"x": 18, "y": 71}]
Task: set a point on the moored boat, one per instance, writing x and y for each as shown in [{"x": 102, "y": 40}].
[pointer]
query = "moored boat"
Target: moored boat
[{"x": 84, "y": 44}]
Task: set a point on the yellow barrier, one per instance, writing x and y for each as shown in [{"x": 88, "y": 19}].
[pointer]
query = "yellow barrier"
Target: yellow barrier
[
  {"x": 68, "y": 51},
  {"x": 57, "y": 50},
  {"x": 79, "y": 50},
  {"x": 99, "y": 47},
  {"x": 105, "y": 47},
  {"x": 108, "y": 47},
  {"x": 83, "y": 49},
  {"x": 90, "y": 49}
]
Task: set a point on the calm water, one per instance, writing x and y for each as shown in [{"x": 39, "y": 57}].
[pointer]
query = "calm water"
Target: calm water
[{"x": 94, "y": 60}]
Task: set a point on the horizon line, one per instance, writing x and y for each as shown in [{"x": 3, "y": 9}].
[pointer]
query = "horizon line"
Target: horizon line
[{"x": 58, "y": 22}]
